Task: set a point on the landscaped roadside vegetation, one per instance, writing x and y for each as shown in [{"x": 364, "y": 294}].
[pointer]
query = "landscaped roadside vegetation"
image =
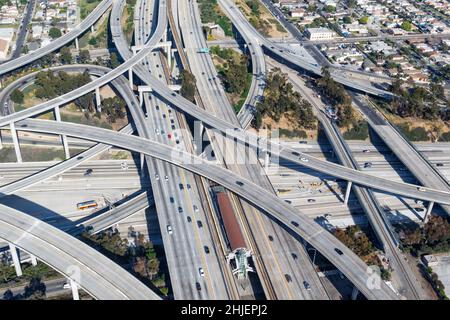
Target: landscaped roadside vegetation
[
  {"x": 134, "y": 252},
  {"x": 282, "y": 104},
  {"x": 260, "y": 18},
  {"x": 356, "y": 240},
  {"x": 233, "y": 69},
  {"x": 211, "y": 13}
]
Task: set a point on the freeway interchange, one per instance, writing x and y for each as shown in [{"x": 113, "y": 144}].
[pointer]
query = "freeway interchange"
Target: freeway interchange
[{"x": 104, "y": 279}]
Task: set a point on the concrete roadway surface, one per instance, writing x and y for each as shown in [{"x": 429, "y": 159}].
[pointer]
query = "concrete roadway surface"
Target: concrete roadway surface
[
  {"x": 23, "y": 29},
  {"x": 166, "y": 94},
  {"x": 182, "y": 258},
  {"x": 70, "y": 96},
  {"x": 241, "y": 23},
  {"x": 188, "y": 239},
  {"x": 276, "y": 255},
  {"x": 96, "y": 274},
  {"x": 58, "y": 43},
  {"x": 313, "y": 50},
  {"x": 337, "y": 253},
  {"x": 163, "y": 92},
  {"x": 406, "y": 282},
  {"x": 403, "y": 149},
  {"x": 28, "y": 79}
]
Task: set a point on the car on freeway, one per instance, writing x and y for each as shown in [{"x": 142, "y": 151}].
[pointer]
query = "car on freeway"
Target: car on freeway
[
  {"x": 180, "y": 209},
  {"x": 80, "y": 157},
  {"x": 195, "y": 208},
  {"x": 166, "y": 177},
  {"x": 157, "y": 107},
  {"x": 421, "y": 189},
  {"x": 306, "y": 285},
  {"x": 368, "y": 165},
  {"x": 157, "y": 132},
  {"x": 201, "y": 272},
  {"x": 288, "y": 201},
  {"x": 172, "y": 200},
  {"x": 188, "y": 186},
  {"x": 288, "y": 278},
  {"x": 366, "y": 150},
  {"x": 189, "y": 219},
  {"x": 206, "y": 249},
  {"x": 181, "y": 186},
  {"x": 198, "y": 286},
  {"x": 169, "y": 229},
  {"x": 303, "y": 142},
  {"x": 88, "y": 172},
  {"x": 199, "y": 224},
  {"x": 439, "y": 164},
  {"x": 239, "y": 183},
  {"x": 156, "y": 176},
  {"x": 338, "y": 251},
  {"x": 311, "y": 200},
  {"x": 304, "y": 159}
]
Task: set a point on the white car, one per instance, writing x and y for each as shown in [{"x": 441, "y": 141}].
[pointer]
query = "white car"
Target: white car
[
  {"x": 421, "y": 189},
  {"x": 169, "y": 229},
  {"x": 195, "y": 208},
  {"x": 304, "y": 159},
  {"x": 201, "y": 272},
  {"x": 157, "y": 132},
  {"x": 166, "y": 178},
  {"x": 156, "y": 176}
]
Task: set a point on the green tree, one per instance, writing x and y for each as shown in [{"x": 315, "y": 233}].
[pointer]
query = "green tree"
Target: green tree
[
  {"x": 54, "y": 33},
  {"x": 347, "y": 20},
  {"x": 188, "y": 85},
  {"x": 84, "y": 56},
  {"x": 93, "y": 41},
  {"x": 364, "y": 20},
  {"x": 236, "y": 75},
  {"x": 406, "y": 25},
  {"x": 17, "y": 96},
  {"x": 114, "y": 61},
  {"x": 65, "y": 55}
]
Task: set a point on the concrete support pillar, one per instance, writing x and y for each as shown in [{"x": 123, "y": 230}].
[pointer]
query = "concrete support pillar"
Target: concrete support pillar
[
  {"x": 74, "y": 287},
  {"x": 98, "y": 99},
  {"x": 15, "y": 140},
  {"x": 130, "y": 77},
  {"x": 347, "y": 192},
  {"x": 355, "y": 293},
  {"x": 169, "y": 57},
  {"x": 77, "y": 46},
  {"x": 92, "y": 29},
  {"x": 198, "y": 137},
  {"x": 427, "y": 213},
  {"x": 142, "y": 164},
  {"x": 16, "y": 260},
  {"x": 266, "y": 161},
  {"x": 33, "y": 260},
  {"x": 63, "y": 137}
]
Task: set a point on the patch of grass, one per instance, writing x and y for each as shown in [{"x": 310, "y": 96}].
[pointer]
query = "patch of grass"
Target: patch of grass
[
  {"x": 81, "y": 119},
  {"x": 416, "y": 134},
  {"x": 293, "y": 133},
  {"x": 360, "y": 131},
  {"x": 237, "y": 107},
  {"x": 87, "y": 6}
]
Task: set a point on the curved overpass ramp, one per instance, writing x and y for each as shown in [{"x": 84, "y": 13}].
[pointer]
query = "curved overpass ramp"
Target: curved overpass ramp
[
  {"x": 347, "y": 262},
  {"x": 58, "y": 43},
  {"x": 96, "y": 274}
]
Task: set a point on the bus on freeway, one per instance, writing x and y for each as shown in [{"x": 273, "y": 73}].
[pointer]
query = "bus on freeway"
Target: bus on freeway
[{"x": 87, "y": 205}]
